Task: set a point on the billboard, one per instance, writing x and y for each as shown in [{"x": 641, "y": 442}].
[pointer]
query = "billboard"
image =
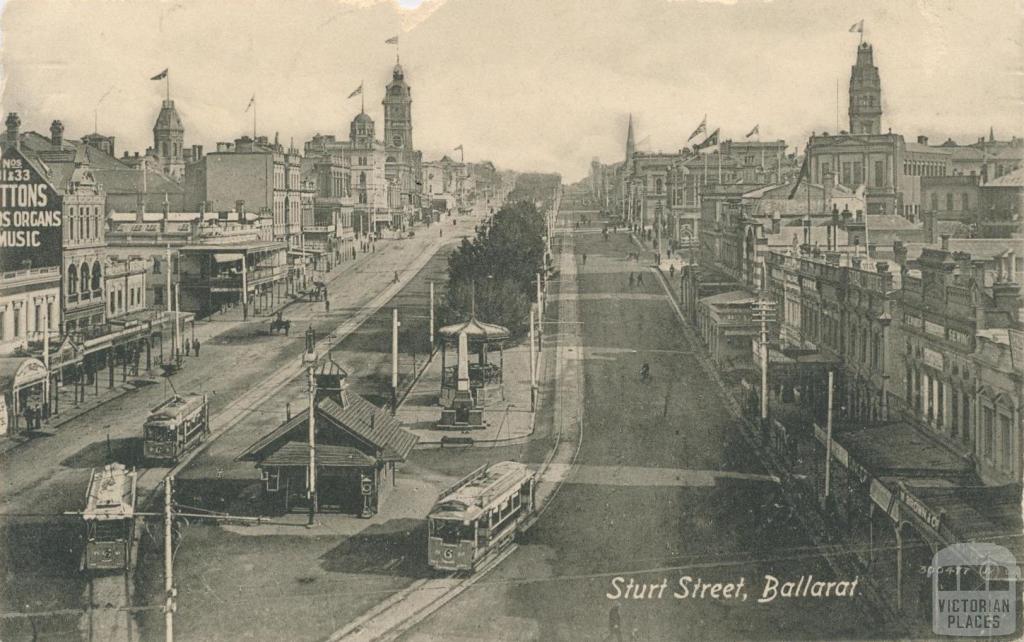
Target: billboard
[{"x": 30, "y": 216}]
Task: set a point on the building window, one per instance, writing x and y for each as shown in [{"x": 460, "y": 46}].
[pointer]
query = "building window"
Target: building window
[
  {"x": 949, "y": 201},
  {"x": 987, "y": 429},
  {"x": 966, "y": 423},
  {"x": 72, "y": 279},
  {"x": 847, "y": 174},
  {"x": 97, "y": 276},
  {"x": 935, "y": 202},
  {"x": 49, "y": 315},
  {"x": 965, "y": 201},
  {"x": 111, "y": 305},
  {"x": 84, "y": 274},
  {"x": 1005, "y": 443},
  {"x": 879, "y": 174},
  {"x": 156, "y": 266},
  {"x": 17, "y": 322}
]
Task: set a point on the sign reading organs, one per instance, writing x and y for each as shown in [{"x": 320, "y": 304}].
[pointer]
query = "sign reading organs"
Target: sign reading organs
[{"x": 30, "y": 216}]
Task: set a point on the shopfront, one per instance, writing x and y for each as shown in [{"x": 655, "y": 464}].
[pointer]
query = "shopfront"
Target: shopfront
[{"x": 22, "y": 383}]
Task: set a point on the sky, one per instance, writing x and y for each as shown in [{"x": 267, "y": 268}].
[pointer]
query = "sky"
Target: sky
[{"x": 533, "y": 85}]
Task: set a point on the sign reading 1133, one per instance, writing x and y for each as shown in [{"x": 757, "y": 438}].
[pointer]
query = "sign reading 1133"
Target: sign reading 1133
[{"x": 31, "y": 215}]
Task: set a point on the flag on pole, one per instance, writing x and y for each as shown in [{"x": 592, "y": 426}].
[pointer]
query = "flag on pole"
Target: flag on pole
[
  {"x": 701, "y": 129},
  {"x": 358, "y": 91},
  {"x": 161, "y": 75},
  {"x": 755, "y": 131},
  {"x": 709, "y": 145},
  {"x": 857, "y": 27},
  {"x": 458, "y": 149},
  {"x": 391, "y": 41},
  {"x": 252, "y": 101}
]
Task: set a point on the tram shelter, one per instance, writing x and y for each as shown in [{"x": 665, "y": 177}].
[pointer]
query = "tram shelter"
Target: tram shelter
[
  {"x": 485, "y": 378},
  {"x": 357, "y": 448}
]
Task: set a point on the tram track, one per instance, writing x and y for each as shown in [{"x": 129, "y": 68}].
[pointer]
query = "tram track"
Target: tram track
[{"x": 397, "y": 615}]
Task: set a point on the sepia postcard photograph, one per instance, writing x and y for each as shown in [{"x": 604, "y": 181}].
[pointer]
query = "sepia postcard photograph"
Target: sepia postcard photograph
[{"x": 511, "y": 320}]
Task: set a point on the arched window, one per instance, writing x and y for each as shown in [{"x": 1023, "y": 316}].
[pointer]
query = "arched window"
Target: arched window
[
  {"x": 84, "y": 273},
  {"x": 362, "y": 178},
  {"x": 72, "y": 279},
  {"x": 657, "y": 186},
  {"x": 97, "y": 276}
]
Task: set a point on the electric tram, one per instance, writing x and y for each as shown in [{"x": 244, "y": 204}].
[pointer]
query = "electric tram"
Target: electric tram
[
  {"x": 479, "y": 515},
  {"x": 109, "y": 517},
  {"x": 175, "y": 427}
]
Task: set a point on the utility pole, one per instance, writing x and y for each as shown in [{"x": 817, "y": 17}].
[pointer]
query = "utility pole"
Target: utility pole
[
  {"x": 168, "y": 275},
  {"x": 763, "y": 311},
  {"x": 540, "y": 316},
  {"x": 431, "y": 317},
  {"x": 533, "y": 360},
  {"x": 312, "y": 448},
  {"x": 177, "y": 319},
  {"x": 394, "y": 360},
  {"x": 46, "y": 351},
  {"x": 828, "y": 440},
  {"x": 169, "y": 607}
]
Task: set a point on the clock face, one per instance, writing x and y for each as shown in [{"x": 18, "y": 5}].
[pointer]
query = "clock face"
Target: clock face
[{"x": 397, "y": 140}]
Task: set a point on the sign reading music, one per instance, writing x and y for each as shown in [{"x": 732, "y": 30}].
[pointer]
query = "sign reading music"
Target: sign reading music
[{"x": 31, "y": 215}]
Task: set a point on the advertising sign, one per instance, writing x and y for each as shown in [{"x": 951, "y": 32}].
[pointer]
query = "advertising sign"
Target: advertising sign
[{"x": 30, "y": 216}]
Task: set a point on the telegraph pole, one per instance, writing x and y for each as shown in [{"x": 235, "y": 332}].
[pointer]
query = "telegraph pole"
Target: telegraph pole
[
  {"x": 312, "y": 448},
  {"x": 394, "y": 360},
  {"x": 828, "y": 441},
  {"x": 533, "y": 360},
  {"x": 431, "y": 317},
  {"x": 169, "y": 590},
  {"x": 763, "y": 312}
]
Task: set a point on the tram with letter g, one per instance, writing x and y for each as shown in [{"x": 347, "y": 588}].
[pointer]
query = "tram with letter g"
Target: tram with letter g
[{"x": 480, "y": 515}]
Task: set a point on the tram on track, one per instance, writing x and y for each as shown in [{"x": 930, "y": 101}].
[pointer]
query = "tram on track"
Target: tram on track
[
  {"x": 175, "y": 427},
  {"x": 479, "y": 515},
  {"x": 109, "y": 517}
]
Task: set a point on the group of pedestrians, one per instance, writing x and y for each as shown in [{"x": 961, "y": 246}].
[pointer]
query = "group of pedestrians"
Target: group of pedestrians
[
  {"x": 637, "y": 279},
  {"x": 192, "y": 346}
]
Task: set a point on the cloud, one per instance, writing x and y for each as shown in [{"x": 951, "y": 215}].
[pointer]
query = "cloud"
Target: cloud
[{"x": 530, "y": 84}]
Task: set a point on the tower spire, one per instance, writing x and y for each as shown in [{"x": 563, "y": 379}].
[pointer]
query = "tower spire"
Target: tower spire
[{"x": 630, "y": 142}]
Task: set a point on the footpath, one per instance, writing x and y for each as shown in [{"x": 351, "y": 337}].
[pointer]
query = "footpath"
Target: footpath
[
  {"x": 210, "y": 328},
  {"x": 795, "y": 482}
]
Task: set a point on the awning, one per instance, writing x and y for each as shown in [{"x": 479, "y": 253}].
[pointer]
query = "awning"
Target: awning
[
  {"x": 223, "y": 257},
  {"x": 19, "y": 372}
]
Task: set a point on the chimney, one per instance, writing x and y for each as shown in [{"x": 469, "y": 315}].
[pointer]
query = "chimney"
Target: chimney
[
  {"x": 13, "y": 123},
  {"x": 240, "y": 207},
  {"x": 928, "y": 225},
  {"x": 899, "y": 252},
  {"x": 883, "y": 271},
  {"x": 776, "y": 223},
  {"x": 945, "y": 242},
  {"x": 57, "y": 133},
  {"x": 1007, "y": 298},
  {"x": 922, "y": 140}
]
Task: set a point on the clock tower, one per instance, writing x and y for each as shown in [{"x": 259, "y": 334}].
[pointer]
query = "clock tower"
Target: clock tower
[
  {"x": 865, "y": 94},
  {"x": 398, "y": 115}
]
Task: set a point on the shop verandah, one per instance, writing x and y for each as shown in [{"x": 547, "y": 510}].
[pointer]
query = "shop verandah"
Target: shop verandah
[
  {"x": 253, "y": 276},
  {"x": 90, "y": 362}
]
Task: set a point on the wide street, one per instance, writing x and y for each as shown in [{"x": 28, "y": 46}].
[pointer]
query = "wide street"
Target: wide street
[
  {"x": 664, "y": 488},
  {"x": 47, "y": 476}
]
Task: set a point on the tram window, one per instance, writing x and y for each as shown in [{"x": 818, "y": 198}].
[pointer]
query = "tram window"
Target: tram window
[{"x": 450, "y": 531}]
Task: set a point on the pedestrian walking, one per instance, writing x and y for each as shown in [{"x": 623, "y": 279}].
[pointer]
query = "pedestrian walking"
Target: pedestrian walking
[
  {"x": 327, "y": 304},
  {"x": 353, "y": 254},
  {"x": 672, "y": 271},
  {"x": 186, "y": 347},
  {"x": 440, "y": 234},
  {"x": 640, "y": 278},
  {"x": 632, "y": 279},
  {"x": 195, "y": 346},
  {"x": 584, "y": 258},
  {"x": 396, "y": 277},
  {"x": 615, "y": 623}
]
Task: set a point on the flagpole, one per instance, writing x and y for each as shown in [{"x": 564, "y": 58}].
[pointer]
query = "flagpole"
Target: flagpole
[
  {"x": 362, "y": 97},
  {"x": 167, "y": 77},
  {"x": 254, "y": 117}
]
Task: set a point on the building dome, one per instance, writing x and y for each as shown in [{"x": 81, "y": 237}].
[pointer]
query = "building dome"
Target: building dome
[
  {"x": 397, "y": 73},
  {"x": 362, "y": 118}
]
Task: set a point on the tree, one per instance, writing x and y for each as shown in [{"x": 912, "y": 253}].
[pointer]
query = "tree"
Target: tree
[{"x": 499, "y": 265}]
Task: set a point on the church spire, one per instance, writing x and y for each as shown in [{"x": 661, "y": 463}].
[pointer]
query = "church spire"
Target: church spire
[{"x": 630, "y": 142}]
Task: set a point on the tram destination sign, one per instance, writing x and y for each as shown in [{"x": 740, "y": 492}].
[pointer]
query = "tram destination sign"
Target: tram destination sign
[{"x": 31, "y": 214}]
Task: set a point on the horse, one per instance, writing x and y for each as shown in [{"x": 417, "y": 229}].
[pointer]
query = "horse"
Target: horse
[{"x": 280, "y": 324}]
